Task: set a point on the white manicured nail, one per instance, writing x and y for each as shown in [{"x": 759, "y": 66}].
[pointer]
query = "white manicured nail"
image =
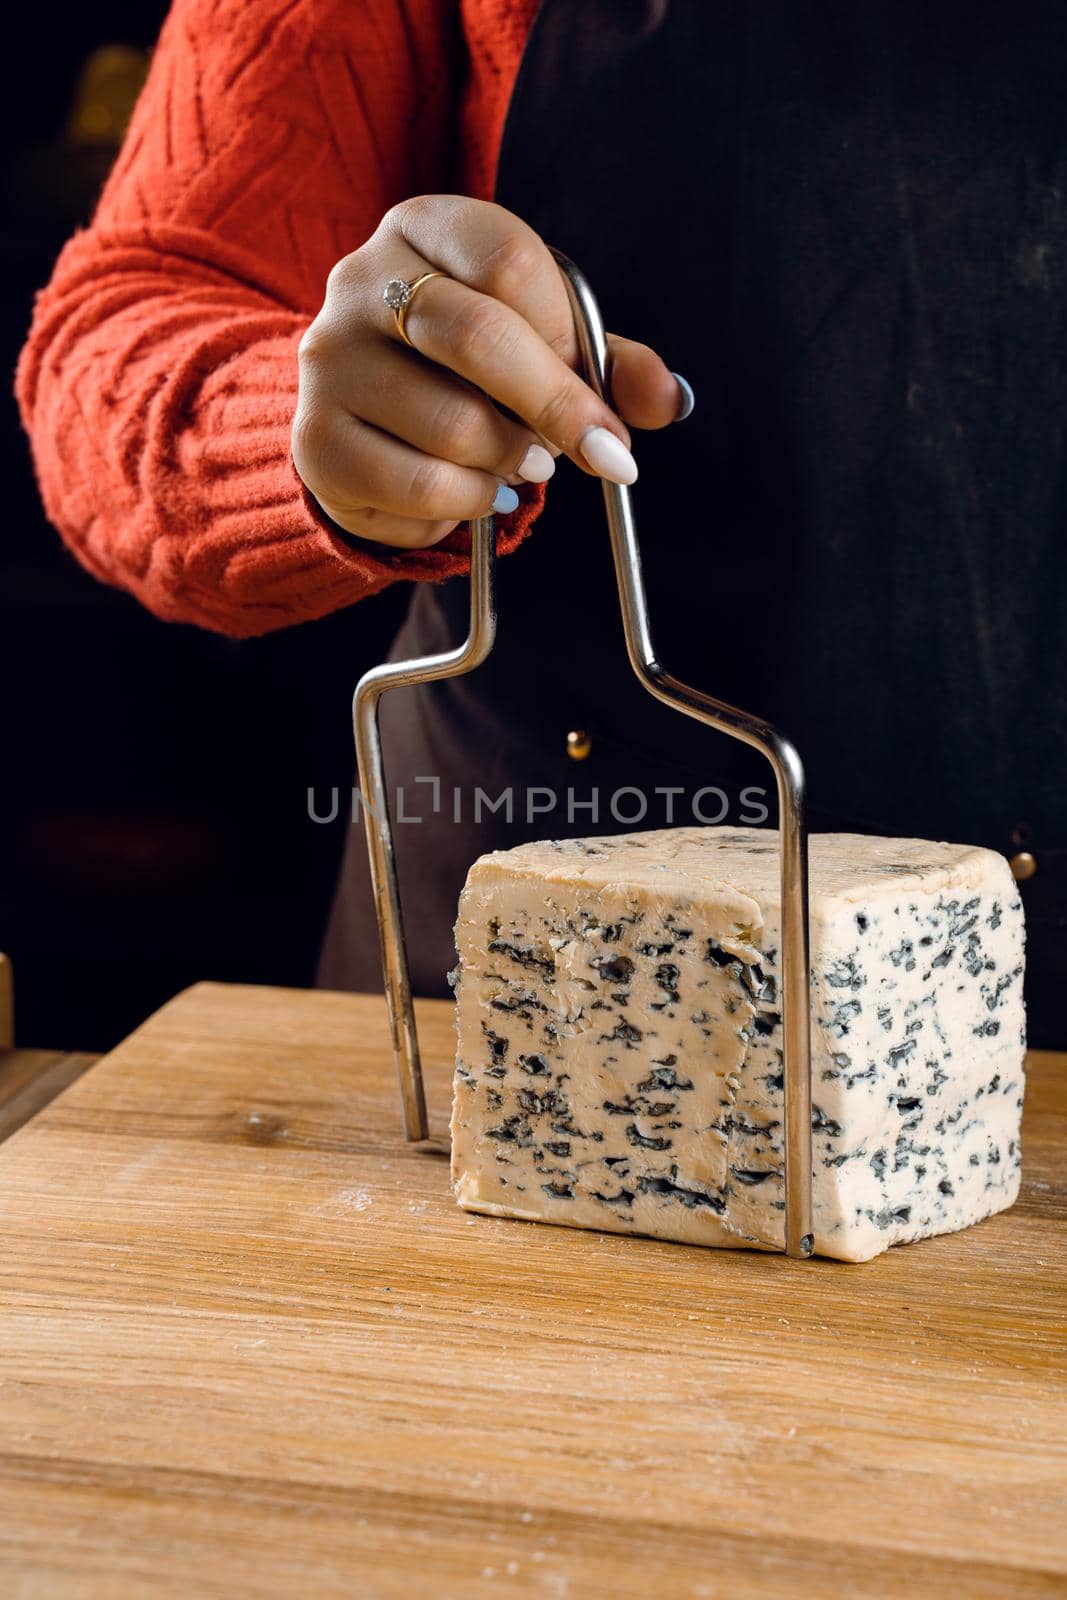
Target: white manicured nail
[
  {"x": 607, "y": 455},
  {"x": 536, "y": 465}
]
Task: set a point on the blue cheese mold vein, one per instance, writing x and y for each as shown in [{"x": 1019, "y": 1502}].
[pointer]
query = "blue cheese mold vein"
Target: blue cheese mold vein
[{"x": 619, "y": 1052}]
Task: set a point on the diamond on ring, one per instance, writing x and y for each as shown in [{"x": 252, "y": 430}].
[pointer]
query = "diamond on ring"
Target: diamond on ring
[{"x": 397, "y": 294}]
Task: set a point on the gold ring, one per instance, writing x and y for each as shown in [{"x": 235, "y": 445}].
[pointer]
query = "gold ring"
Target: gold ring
[{"x": 399, "y": 295}]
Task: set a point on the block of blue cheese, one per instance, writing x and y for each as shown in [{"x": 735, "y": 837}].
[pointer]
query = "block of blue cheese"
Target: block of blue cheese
[{"x": 619, "y": 1059}]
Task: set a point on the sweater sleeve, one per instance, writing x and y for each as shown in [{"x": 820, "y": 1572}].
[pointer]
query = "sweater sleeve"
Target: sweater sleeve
[{"x": 159, "y": 379}]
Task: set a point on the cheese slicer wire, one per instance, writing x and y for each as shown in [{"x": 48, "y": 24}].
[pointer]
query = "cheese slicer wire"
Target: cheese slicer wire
[{"x": 794, "y": 975}]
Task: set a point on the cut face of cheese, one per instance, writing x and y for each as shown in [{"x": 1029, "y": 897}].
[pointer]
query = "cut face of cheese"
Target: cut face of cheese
[{"x": 619, "y": 1061}]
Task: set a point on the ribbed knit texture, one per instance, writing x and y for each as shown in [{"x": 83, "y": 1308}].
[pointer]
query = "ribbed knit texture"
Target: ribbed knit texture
[{"x": 159, "y": 380}]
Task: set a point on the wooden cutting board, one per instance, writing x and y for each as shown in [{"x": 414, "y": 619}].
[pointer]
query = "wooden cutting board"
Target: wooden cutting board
[{"x": 249, "y": 1347}]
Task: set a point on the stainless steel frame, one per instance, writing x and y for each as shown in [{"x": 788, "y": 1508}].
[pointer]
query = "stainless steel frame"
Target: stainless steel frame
[{"x": 788, "y": 773}]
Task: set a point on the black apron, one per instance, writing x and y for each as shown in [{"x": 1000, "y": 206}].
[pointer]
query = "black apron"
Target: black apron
[{"x": 845, "y": 222}]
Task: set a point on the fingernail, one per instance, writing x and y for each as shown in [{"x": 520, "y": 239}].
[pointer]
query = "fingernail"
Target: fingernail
[
  {"x": 506, "y": 499},
  {"x": 688, "y": 400},
  {"x": 607, "y": 455},
  {"x": 536, "y": 465}
]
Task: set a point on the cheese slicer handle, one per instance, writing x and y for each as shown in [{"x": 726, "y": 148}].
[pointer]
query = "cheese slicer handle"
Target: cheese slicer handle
[
  {"x": 785, "y": 763},
  {"x": 369, "y": 690}
]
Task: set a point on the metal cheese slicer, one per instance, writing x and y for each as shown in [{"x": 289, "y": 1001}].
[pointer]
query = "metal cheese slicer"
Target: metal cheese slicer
[{"x": 788, "y": 773}]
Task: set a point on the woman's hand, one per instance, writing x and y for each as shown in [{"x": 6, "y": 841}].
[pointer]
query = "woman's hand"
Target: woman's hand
[{"x": 398, "y": 445}]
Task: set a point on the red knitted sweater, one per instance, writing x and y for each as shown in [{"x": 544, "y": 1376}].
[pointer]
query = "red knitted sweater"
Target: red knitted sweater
[{"x": 159, "y": 379}]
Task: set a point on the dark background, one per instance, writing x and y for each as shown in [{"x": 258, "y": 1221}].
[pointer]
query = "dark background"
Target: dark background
[{"x": 154, "y": 822}]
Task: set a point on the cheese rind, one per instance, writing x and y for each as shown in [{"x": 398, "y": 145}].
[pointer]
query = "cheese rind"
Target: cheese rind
[{"x": 619, "y": 1049}]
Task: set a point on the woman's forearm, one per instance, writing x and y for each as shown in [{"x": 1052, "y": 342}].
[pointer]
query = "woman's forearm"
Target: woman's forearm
[{"x": 159, "y": 380}]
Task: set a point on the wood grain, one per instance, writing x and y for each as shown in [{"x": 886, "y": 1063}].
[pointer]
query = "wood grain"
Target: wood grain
[
  {"x": 249, "y": 1347},
  {"x": 29, "y": 1079},
  {"x": 7, "y": 1004}
]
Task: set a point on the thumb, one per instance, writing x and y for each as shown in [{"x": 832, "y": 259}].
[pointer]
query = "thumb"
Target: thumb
[{"x": 644, "y": 392}]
